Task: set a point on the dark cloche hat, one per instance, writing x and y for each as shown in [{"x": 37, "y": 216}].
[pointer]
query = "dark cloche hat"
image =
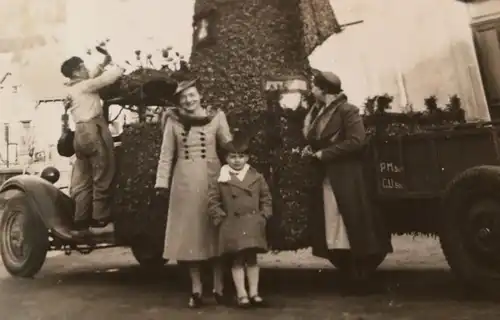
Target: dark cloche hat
[{"x": 328, "y": 77}]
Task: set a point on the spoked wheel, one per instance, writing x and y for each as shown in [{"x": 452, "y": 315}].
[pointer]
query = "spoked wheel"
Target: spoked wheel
[
  {"x": 470, "y": 228},
  {"x": 24, "y": 238}
]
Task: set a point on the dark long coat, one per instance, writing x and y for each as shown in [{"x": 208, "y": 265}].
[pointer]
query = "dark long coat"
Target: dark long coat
[
  {"x": 240, "y": 209},
  {"x": 337, "y": 130}
]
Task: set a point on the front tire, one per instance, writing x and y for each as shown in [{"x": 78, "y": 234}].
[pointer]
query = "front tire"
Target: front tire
[
  {"x": 470, "y": 228},
  {"x": 24, "y": 239}
]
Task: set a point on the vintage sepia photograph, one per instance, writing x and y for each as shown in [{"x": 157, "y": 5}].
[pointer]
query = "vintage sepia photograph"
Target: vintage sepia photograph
[{"x": 250, "y": 159}]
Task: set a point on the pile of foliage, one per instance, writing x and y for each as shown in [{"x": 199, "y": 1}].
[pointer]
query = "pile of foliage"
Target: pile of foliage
[
  {"x": 148, "y": 83},
  {"x": 138, "y": 215},
  {"x": 380, "y": 121}
]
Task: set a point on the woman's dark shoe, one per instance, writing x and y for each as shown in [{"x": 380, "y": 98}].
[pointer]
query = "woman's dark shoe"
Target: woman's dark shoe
[
  {"x": 258, "y": 302},
  {"x": 243, "y": 303},
  {"x": 195, "y": 301}
]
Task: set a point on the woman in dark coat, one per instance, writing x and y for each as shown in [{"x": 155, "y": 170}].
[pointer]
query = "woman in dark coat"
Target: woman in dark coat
[{"x": 336, "y": 136}]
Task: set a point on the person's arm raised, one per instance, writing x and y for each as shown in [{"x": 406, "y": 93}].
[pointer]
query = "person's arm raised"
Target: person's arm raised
[{"x": 105, "y": 79}]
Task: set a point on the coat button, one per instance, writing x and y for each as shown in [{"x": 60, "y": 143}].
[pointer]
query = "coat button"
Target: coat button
[
  {"x": 184, "y": 140},
  {"x": 203, "y": 156},
  {"x": 203, "y": 144},
  {"x": 203, "y": 151},
  {"x": 202, "y": 139}
]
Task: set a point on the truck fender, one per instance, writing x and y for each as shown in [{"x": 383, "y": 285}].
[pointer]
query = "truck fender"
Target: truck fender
[{"x": 53, "y": 206}]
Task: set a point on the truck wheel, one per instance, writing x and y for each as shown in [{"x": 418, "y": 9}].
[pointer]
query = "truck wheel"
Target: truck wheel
[
  {"x": 470, "y": 227},
  {"x": 148, "y": 256},
  {"x": 342, "y": 261},
  {"x": 24, "y": 238}
]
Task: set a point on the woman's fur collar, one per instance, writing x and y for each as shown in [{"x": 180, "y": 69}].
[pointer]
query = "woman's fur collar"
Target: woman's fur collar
[{"x": 187, "y": 119}]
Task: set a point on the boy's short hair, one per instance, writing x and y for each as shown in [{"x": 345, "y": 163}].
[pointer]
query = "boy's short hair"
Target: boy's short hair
[
  {"x": 240, "y": 143},
  {"x": 69, "y": 66},
  {"x": 241, "y": 152}
]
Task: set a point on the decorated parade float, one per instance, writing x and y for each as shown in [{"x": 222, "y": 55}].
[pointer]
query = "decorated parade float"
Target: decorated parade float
[{"x": 429, "y": 173}]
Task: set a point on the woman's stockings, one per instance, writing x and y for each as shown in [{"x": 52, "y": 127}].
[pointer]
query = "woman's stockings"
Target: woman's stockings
[
  {"x": 195, "y": 274},
  {"x": 218, "y": 276}
]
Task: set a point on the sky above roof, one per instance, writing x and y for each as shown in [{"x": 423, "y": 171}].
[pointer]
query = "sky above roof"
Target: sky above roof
[{"x": 36, "y": 38}]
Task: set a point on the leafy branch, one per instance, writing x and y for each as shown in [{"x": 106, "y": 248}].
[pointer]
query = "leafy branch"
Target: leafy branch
[{"x": 150, "y": 82}]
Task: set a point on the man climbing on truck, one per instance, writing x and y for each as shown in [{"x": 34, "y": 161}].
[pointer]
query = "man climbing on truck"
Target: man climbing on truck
[{"x": 94, "y": 166}]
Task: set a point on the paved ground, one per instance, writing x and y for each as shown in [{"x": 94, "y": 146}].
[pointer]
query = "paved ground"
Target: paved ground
[{"x": 415, "y": 284}]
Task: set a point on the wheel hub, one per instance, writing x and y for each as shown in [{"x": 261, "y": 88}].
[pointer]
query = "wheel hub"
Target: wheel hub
[
  {"x": 483, "y": 230},
  {"x": 484, "y": 234},
  {"x": 14, "y": 237}
]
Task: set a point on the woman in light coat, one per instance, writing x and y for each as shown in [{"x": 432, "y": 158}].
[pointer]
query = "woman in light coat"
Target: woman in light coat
[{"x": 188, "y": 162}]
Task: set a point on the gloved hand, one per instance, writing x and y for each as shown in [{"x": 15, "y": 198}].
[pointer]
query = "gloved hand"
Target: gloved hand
[{"x": 307, "y": 151}]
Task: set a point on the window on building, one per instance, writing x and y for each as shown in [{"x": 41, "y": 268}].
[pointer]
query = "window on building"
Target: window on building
[{"x": 487, "y": 40}]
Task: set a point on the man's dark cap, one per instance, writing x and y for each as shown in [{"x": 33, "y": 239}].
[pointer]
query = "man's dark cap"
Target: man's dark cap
[{"x": 70, "y": 65}]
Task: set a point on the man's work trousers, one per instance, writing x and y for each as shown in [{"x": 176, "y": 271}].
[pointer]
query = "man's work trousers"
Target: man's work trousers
[{"x": 93, "y": 171}]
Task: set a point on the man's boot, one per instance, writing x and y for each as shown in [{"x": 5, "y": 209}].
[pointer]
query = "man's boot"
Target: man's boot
[
  {"x": 80, "y": 229},
  {"x": 102, "y": 227}
]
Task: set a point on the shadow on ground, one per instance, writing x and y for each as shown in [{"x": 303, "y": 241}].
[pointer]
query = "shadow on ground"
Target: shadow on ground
[{"x": 408, "y": 284}]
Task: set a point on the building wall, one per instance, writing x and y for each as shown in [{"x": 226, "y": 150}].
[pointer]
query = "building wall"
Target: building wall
[
  {"x": 484, "y": 10},
  {"x": 410, "y": 49}
]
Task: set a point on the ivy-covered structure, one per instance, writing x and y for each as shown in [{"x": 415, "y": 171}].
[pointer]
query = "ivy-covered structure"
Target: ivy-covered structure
[
  {"x": 247, "y": 44},
  {"x": 238, "y": 47}
]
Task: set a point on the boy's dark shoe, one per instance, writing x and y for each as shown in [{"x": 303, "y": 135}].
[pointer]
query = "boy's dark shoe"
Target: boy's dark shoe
[
  {"x": 258, "y": 302},
  {"x": 243, "y": 303},
  {"x": 195, "y": 301}
]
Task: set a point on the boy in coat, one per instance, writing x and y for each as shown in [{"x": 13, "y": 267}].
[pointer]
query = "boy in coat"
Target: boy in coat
[{"x": 240, "y": 205}]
